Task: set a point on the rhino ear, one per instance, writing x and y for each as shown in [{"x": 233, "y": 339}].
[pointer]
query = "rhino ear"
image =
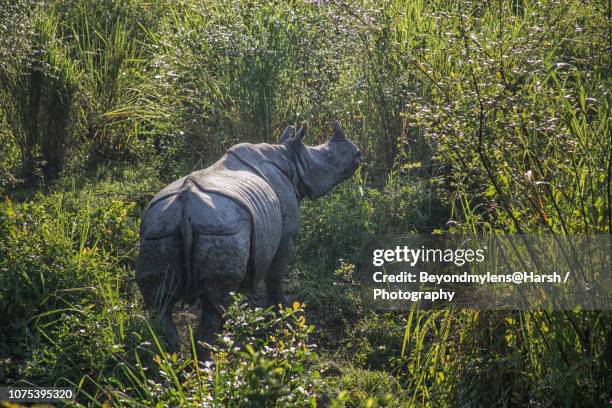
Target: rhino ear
[
  {"x": 286, "y": 134},
  {"x": 299, "y": 136},
  {"x": 338, "y": 133}
]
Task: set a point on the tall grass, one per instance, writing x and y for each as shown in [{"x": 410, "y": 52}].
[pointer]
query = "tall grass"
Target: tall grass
[
  {"x": 527, "y": 149},
  {"x": 39, "y": 86},
  {"x": 520, "y": 143},
  {"x": 474, "y": 117},
  {"x": 112, "y": 57}
]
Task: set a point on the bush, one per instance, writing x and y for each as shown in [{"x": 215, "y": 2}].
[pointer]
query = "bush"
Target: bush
[
  {"x": 263, "y": 358},
  {"x": 61, "y": 260},
  {"x": 334, "y": 227},
  {"x": 266, "y": 358}
]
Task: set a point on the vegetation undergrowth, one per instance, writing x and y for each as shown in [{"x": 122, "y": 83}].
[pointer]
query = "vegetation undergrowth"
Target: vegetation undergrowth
[{"x": 474, "y": 117}]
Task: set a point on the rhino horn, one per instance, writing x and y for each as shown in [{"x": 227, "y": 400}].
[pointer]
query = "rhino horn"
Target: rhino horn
[
  {"x": 286, "y": 133},
  {"x": 338, "y": 133}
]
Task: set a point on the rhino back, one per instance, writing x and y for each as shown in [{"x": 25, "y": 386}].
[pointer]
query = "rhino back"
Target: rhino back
[
  {"x": 220, "y": 197},
  {"x": 275, "y": 167},
  {"x": 258, "y": 198}
]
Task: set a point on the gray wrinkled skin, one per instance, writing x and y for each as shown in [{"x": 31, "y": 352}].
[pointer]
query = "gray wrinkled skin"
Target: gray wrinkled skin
[{"x": 232, "y": 225}]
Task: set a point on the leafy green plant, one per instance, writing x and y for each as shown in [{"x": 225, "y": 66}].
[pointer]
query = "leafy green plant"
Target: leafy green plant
[
  {"x": 48, "y": 256},
  {"x": 473, "y": 118},
  {"x": 263, "y": 358}
]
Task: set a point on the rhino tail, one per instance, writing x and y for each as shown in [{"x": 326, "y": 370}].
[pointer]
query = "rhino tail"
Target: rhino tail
[{"x": 186, "y": 234}]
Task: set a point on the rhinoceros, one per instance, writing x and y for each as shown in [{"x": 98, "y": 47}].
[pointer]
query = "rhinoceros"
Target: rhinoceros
[{"x": 231, "y": 226}]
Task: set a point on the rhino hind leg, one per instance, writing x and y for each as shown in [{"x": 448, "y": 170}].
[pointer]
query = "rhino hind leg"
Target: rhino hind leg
[
  {"x": 160, "y": 307},
  {"x": 169, "y": 328},
  {"x": 158, "y": 272},
  {"x": 209, "y": 325},
  {"x": 220, "y": 263},
  {"x": 276, "y": 295},
  {"x": 276, "y": 274}
]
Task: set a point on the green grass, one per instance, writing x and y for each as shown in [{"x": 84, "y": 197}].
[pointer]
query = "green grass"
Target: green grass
[{"x": 473, "y": 117}]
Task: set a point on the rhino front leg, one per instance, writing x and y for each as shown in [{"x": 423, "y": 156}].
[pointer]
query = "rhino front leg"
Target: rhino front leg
[{"x": 276, "y": 274}]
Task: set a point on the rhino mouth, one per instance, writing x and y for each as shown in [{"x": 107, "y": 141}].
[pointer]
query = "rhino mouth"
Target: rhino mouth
[
  {"x": 350, "y": 169},
  {"x": 357, "y": 161}
]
